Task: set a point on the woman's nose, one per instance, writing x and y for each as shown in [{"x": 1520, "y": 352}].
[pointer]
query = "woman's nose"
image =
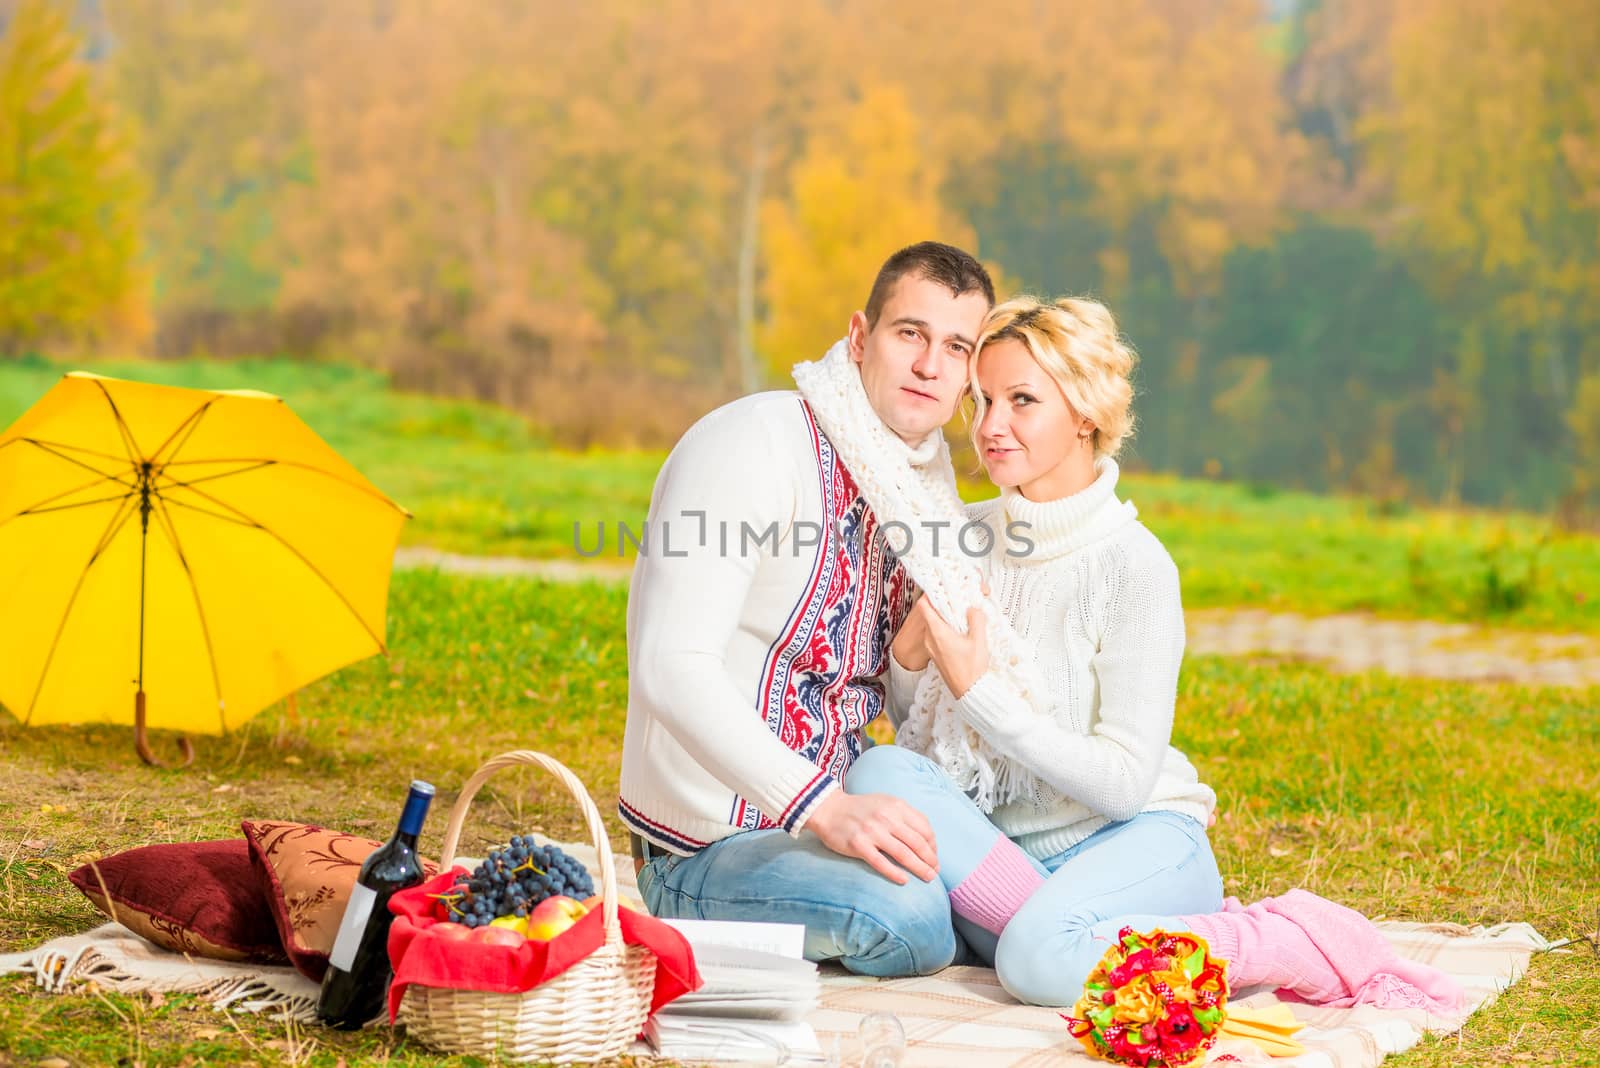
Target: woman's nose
[{"x": 993, "y": 422}]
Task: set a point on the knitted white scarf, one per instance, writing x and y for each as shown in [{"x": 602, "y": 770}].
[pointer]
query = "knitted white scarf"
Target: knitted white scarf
[{"x": 917, "y": 487}]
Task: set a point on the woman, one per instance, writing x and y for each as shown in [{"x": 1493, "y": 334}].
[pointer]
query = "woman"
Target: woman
[{"x": 1086, "y": 818}]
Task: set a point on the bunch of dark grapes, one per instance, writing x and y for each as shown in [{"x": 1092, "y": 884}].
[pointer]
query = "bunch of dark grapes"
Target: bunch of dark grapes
[{"x": 512, "y": 880}]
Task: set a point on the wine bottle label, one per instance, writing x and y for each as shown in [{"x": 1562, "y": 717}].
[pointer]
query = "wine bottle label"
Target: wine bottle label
[{"x": 352, "y": 927}]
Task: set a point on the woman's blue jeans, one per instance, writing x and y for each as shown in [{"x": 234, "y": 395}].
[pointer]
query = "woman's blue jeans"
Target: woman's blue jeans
[{"x": 1142, "y": 873}]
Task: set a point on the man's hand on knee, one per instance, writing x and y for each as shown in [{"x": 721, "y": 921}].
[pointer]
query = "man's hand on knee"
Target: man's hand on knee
[{"x": 884, "y": 831}]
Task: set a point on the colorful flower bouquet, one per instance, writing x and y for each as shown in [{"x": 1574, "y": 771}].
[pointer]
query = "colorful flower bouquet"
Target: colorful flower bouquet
[{"x": 1154, "y": 1000}]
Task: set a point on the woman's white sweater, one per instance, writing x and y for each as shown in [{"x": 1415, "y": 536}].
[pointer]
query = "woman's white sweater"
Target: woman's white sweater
[{"x": 1096, "y": 596}]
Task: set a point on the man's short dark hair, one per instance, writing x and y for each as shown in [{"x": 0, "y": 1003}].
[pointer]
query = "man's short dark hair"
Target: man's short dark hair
[{"x": 947, "y": 265}]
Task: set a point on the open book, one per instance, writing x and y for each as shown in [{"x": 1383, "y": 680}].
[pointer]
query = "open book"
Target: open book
[{"x": 752, "y": 1008}]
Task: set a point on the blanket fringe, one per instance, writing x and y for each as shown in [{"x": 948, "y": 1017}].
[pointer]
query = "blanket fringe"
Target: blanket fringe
[
  {"x": 250, "y": 995},
  {"x": 56, "y": 971}
]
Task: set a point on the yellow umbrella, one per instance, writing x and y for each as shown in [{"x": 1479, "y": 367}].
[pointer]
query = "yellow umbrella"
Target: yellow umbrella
[{"x": 206, "y": 546}]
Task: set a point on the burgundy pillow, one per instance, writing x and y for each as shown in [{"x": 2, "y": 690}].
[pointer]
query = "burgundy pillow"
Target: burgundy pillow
[
  {"x": 200, "y": 898},
  {"x": 306, "y": 874}
]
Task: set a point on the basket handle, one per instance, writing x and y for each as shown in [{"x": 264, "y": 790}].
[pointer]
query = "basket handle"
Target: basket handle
[{"x": 591, "y": 815}]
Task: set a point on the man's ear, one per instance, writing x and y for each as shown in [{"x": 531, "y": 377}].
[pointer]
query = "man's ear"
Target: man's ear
[{"x": 858, "y": 336}]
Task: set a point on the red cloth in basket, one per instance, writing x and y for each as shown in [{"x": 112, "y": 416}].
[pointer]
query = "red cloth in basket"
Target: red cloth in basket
[{"x": 432, "y": 961}]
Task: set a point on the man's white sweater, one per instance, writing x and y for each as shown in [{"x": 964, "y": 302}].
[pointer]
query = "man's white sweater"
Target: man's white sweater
[
  {"x": 1096, "y": 596},
  {"x": 762, "y": 605}
]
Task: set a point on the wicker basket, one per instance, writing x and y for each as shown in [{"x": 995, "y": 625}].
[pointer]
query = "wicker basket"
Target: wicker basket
[{"x": 589, "y": 1012}]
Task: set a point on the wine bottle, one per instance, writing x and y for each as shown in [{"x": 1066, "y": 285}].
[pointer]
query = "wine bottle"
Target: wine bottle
[{"x": 358, "y": 973}]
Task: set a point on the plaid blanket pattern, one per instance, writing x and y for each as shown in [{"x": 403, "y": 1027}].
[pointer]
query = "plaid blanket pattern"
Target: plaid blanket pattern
[{"x": 961, "y": 1016}]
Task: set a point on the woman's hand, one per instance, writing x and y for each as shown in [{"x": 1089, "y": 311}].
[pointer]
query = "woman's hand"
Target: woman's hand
[
  {"x": 961, "y": 658},
  {"x": 910, "y": 648}
]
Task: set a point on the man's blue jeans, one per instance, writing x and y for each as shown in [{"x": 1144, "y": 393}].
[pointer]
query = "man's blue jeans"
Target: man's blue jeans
[
  {"x": 851, "y": 913},
  {"x": 1142, "y": 872}
]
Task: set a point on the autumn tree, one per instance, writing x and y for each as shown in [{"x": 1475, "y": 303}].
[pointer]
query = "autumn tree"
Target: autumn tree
[
  {"x": 859, "y": 192},
  {"x": 1170, "y": 110},
  {"x": 1323, "y": 349},
  {"x": 214, "y": 90},
  {"x": 1583, "y": 419},
  {"x": 69, "y": 194},
  {"x": 1363, "y": 232},
  {"x": 762, "y": 73},
  {"x": 1487, "y": 142},
  {"x": 428, "y": 145},
  {"x": 1338, "y": 76}
]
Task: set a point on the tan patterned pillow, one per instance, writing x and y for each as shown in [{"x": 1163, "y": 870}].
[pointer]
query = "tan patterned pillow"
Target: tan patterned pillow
[{"x": 306, "y": 873}]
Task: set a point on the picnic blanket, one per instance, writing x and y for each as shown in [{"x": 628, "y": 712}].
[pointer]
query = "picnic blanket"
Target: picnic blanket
[
  {"x": 961, "y": 1016},
  {"x": 958, "y": 1017},
  {"x": 114, "y": 958}
]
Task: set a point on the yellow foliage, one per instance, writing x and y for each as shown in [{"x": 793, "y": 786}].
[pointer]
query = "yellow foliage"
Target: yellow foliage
[
  {"x": 426, "y": 179},
  {"x": 69, "y": 194},
  {"x": 862, "y": 190},
  {"x": 1170, "y": 108},
  {"x": 1491, "y": 143},
  {"x": 1179, "y": 113}
]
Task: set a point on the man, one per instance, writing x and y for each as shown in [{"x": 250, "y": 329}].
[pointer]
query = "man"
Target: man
[{"x": 763, "y": 603}]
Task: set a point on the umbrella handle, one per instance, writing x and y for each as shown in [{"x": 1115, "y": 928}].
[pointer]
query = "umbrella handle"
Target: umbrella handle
[{"x": 142, "y": 745}]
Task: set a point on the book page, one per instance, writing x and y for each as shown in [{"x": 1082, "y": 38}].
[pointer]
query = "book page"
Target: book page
[{"x": 782, "y": 939}]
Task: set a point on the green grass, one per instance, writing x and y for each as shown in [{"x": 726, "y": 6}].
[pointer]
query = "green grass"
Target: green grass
[
  {"x": 1408, "y": 799},
  {"x": 479, "y": 480},
  {"x": 477, "y": 667},
  {"x": 1287, "y": 551}
]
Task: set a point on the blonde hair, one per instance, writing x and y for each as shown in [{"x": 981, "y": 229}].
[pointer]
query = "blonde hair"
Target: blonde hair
[{"x": 1076, "y": 341}]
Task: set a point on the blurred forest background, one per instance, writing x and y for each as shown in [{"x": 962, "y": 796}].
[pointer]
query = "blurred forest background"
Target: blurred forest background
[{"x": 1356, "y": 242}]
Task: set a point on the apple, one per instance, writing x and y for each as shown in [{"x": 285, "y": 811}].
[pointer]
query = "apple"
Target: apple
[
  {"x": 518, "y": 924},
  {"x": 496, "y": 936},
  {"x": 453, "y": 932},
  {"x": 553, "y": 915}
]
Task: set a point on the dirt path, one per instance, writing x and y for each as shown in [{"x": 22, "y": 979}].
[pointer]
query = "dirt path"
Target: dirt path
[
  {"x": 1421, "y": 647},
  {"x": 414, "y": 556},
  {"x": 1349, "y": 642}
]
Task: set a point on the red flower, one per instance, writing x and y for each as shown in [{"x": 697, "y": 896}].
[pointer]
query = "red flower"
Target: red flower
[
  {"x": 1141, "y": 1053},
  {"x": 1179, "y": 1031},
  {"x": 1137, "y": 963}
]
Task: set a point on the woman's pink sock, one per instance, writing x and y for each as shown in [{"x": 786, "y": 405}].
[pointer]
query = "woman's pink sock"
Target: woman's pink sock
[
  {"x": 1263, "y": 947},
  {"x": 997, "y": 887},
  {"x": 1324, "y": 952}
]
